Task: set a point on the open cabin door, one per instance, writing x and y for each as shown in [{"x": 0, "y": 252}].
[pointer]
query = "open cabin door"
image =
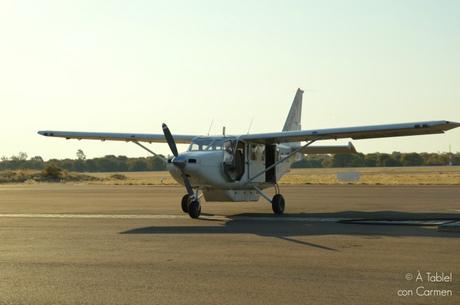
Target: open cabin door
[
  {"x": 250, "y": 159},
  {"x": 234, "y": 159},
  {"x": 270, "y": 159},
  {"x": 256, "y": 161}
]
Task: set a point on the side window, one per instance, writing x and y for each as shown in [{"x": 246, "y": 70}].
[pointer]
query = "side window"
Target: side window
[
  {"x": 257, "y": 152},
  {"x": 253, "y": 152}
]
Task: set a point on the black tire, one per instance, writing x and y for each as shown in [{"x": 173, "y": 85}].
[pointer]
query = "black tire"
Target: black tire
[
  {"x": 194, "y": 209},
  {"x": 185, "y": 203},
  {"x": 278, "y": 204}
]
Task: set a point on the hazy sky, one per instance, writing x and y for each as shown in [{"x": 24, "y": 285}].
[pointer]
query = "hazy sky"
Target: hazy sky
[{"x": 128, "y": 66}]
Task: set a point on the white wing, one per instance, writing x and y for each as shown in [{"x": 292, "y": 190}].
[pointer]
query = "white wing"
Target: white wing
[
  {"x": 128, "y": 137},
  {"x": 361, "y": 132}
]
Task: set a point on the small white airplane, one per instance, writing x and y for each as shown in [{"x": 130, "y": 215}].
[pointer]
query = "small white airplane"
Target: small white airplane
[{"x": 238, "y": 168}]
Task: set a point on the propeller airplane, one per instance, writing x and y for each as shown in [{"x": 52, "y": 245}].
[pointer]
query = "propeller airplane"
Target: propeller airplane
[{"x": 239, "y": 167}]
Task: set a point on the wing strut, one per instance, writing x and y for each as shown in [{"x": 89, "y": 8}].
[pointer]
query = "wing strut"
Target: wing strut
[
  {"x": 150, "y": 151},
  {"x": 298, "y": 149}
]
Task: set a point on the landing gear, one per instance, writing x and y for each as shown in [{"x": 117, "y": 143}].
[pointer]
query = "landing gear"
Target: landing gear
[
  {"x": 185, "y": 203},
  {"x": 191, "y": 204},
  {"x": 194, "y": 208},
  {"x": 277, "y": 201},
  {"x": 278, "y": 204}
]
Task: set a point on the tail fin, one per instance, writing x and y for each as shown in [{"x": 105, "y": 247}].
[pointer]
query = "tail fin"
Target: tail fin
[{"x": 295, "y": 114}]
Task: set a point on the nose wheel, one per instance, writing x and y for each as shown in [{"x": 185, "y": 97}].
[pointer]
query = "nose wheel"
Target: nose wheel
[
  {"x": 194, "y": 208},
  {"x": 191, "y": 206},
  {"x": 185, "y": 203}
]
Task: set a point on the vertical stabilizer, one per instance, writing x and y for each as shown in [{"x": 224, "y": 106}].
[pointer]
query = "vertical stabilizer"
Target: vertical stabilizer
[{"x": 295, "y": 114}]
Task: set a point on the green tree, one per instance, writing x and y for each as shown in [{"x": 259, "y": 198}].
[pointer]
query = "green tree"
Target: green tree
[
  {"x": 91, "y": 165},
  {"x": 79, "y": 165},
  {"x": 456, "y": 159},
  {"x": 22, "y": 156},
  {"x": 81, "y": 155},
  {"x": 156, "y": 164},
  {"x": 310, "y": 161},
  {"x": 67, "y": 164},
  {"x": 35, "y": 163},
  {"x": 107, "y": 164},
  {"x": 357, "y": 160},
  {"x": 386, "y": 160},
  {"x": 137, "y": 164},
  {"x": 342, "y": 160},
  {"x": 411, "y": 159},
  {"x": 370, "y": 160},
  {"x": 18, "y": 161}
]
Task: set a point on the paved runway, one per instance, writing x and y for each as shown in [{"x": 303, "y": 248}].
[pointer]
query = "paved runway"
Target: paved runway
[{"x": 77, "y": 244}]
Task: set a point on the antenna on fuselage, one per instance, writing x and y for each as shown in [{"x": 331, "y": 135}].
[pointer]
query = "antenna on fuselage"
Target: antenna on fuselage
[
  {"x": 250, "y": 124},
  {"x": 210, "y": 126},
  {"x": 223, "y": 131}
]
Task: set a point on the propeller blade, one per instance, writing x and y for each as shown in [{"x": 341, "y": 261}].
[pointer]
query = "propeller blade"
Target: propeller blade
[
  {"x": 169, "y": 138},
  {"x": 177, "y": 161}
]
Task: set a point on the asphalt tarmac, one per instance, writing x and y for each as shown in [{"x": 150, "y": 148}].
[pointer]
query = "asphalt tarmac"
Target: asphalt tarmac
[{"x": 95, "y": 244}]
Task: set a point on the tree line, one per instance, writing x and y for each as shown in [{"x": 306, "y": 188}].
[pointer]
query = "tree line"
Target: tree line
[
  {"x": 112, "y": 163},
  {"x": 108, "y": 163},
  {"x": 394, "y": 159}
]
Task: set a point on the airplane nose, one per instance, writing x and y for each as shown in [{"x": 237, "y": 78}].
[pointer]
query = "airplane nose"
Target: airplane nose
[{"x": 179, "y": 161}]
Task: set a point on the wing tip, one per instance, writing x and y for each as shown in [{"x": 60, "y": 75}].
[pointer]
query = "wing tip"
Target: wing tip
[{"x": 451, "y": 125}]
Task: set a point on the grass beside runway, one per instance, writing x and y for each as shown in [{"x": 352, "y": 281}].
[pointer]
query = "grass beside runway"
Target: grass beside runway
[{"x": 435, "y": 175}]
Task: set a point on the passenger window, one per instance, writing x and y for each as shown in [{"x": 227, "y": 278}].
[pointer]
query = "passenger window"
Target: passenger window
[
  {"x": 228, "y": 152},
  {"x": 257, "y": 152},
  {"x": 253, "y": 152}
]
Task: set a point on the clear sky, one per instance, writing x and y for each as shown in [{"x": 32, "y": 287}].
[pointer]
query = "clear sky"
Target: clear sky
[{"x": 128, "y": 66}]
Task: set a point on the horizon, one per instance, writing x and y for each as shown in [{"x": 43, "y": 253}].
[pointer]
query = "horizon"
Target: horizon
[{"x": 75, "y": 157}]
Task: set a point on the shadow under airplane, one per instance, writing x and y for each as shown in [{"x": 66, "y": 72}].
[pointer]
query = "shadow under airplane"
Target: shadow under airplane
[{"x": 346, "y": 223}]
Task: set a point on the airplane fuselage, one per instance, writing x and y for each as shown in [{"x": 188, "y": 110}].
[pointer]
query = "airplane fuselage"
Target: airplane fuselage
[{"x": 224, "y": 168}]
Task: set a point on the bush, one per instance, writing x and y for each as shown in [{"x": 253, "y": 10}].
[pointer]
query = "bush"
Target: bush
[
  {"x": 52, "y": 172},
  {"x": 118, "y": 177},
  {"x": 12, "y": 177}
]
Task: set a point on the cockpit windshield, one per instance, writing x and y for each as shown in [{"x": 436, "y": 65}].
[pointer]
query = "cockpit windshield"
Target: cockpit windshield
[{"x": 207, "y": 144}]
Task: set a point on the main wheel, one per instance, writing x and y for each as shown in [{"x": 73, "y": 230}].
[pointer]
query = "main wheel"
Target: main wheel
[
  {"x": 278, "y": 204},
  {"x": 185, "y": 203},
  {"x": 194, "y": 209}
]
